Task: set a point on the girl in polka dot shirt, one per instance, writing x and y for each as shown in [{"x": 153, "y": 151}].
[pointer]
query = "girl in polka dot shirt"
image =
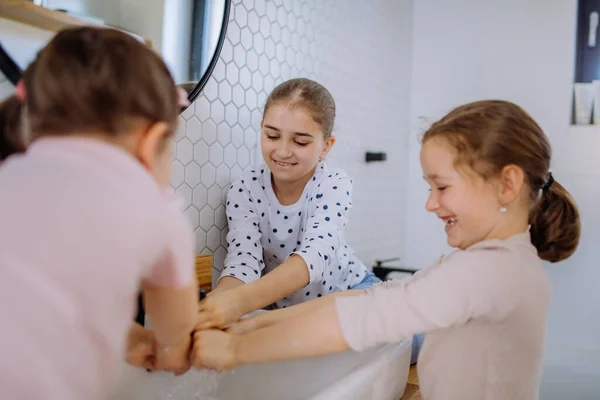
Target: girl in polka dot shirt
[{"x": 287, "y": 218}]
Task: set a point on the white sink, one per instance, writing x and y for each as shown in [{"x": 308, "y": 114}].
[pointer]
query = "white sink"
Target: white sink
[{"x": 376, "y": 374}]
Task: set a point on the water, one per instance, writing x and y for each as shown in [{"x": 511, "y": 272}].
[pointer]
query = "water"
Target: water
[{"x": 194, "y": 385}]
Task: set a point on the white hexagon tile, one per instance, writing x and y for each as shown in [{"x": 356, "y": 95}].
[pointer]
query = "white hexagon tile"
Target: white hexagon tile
[
  {"x": 360, "y": 50},
  {"x": 6, "y": 86}
]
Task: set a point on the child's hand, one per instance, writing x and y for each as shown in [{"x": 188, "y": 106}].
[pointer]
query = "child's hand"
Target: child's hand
[
  {"x": 214, "y": 350},
  {"x": 220, "y": 308},
  {"x": 247, "y": 325},
  {"x": 174, "y": 358},
  {"x": 140, "y": 350}
]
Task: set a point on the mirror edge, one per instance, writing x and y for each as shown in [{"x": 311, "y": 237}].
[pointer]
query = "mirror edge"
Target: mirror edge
[
  {"x": 8, "y": 67},
  {"x": 193, "y": 95},
  {"x": 13, "y": 73}
]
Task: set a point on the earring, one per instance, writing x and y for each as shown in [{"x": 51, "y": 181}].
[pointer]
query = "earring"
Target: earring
[{"x": 502, "y": 210}]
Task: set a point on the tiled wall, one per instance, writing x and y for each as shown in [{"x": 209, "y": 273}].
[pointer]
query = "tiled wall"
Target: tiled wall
[
  {"x": 361, "y": 51},
  {"x": 6, "y": 86}
]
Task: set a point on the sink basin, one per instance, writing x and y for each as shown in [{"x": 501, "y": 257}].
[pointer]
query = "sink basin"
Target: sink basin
[{"x": 377, "y": 374}]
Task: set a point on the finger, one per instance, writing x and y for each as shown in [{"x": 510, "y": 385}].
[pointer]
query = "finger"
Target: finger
[
  {"x": 205, "y": 319},
  {"x": 150, "y": 363},
  {"x": 182, "y": 371},
  {"x": 138, "y": 354}
]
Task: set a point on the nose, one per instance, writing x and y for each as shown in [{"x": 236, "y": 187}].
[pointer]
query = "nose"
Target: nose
[
  {"x": 283, "y": 150},
  {"x": 432, "y": 203}
]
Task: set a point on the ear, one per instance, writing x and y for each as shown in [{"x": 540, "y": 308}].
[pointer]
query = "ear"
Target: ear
[
  {"x": 20, "y": 91},
  {"x": 150, "y": 144},
  {"x": 328, "y": 145},
  {"x": 512, "y": 179}
]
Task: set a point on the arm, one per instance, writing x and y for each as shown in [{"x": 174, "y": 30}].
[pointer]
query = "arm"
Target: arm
[
  {"x": 328, "y": 215},
  {"x": 172, "y": 311},
  {"x": 276, "y": 316},
  {"x": 310, "y": 334},
  {"x": 287, "y": 278},
  {"x": 170, "y": 289},
  {"x": 329, "y": 209},
  {"x": 467, "y": 287},
  {"x": 227, "y": 282},
  {"x": 244, "y": 261},
  {"x": 227, "y": 306}
]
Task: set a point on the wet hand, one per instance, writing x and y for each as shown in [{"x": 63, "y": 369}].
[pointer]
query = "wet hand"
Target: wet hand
[
  {"x": 174, "y": 358},
  {"x": 246, "y": 325},
  {"x": 215, "y": 350},
  {"x": 140, "y": 350},
  {"x": 221, "y": 308}
]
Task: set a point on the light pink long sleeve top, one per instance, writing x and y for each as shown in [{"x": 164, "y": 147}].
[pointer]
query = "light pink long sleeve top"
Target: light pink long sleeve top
[
  {"x": 82, "y": 223},
  {"x": 484, "y": 311}
]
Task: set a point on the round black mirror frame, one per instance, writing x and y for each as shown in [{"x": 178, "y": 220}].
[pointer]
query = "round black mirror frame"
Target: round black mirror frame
[
  {"x": 14, "y": 73},
  {"x": 10, "y": 69},
  {"x": 215, "y": 58}
]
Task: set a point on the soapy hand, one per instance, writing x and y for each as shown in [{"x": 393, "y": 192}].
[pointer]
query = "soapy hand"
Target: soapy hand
[
  {"x": 220, "y": 308},
  {"x": 173, "y": 358},
  {"x": 214, "y": 349},
  {"x": 140, "y": 350},
  {"x": 246, "y": 325}
]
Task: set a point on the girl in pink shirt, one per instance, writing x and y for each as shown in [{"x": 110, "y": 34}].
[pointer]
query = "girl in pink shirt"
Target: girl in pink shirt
[
  {"x": 484, "y": 306},
  {"x": 87, "y": 218}
]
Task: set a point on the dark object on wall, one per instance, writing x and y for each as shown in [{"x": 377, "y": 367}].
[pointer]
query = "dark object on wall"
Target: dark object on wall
[
  {"x": 587, "y": 59},
  {"x": 10, "y": 69},
  {"x": 382, "y": 271},
  {"x": 373, "y": 156}
]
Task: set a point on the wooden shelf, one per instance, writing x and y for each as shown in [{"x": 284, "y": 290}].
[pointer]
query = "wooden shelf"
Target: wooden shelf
[
  {"x": 44, "y": 18},
  {"x": 28, "y": 13},
  {"x": 204, "y": 266}
]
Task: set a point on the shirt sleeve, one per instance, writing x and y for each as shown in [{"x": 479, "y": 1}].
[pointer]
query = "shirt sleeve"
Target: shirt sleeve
[
  {"x": 473, "y": 284},
  {"x": 325, "y": 227},
  {"x": 244, "y": 259},
  {"x": 175, "y": 266}
]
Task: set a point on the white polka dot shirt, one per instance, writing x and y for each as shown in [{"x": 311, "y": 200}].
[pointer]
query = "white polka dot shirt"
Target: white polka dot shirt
[{"x": 263, "y": 233}]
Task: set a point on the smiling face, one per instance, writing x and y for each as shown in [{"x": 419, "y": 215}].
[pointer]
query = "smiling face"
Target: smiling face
[
  {"x": 468, "y": 204},
  {"x": 292, "y": 143}
]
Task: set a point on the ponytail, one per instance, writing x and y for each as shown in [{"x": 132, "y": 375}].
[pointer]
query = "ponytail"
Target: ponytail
[
  {"x": 555, "y": 224},
  {"x": 10, "y": 127}
]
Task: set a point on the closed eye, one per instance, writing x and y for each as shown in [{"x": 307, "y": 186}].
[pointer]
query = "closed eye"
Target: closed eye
[{"x": 440, "y": 188}]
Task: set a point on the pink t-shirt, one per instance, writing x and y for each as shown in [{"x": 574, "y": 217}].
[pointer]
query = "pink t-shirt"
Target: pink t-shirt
[{"x": 82, "y": 223}]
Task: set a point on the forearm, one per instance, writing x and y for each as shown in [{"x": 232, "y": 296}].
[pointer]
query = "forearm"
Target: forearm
[
  {"x": 288, "y": 278},
  {"x": 312, "y": 333},
  {"x": 228, "y": 282},
  {"x": 276, "y": 316},
  {"x": 172, "y": 312}
]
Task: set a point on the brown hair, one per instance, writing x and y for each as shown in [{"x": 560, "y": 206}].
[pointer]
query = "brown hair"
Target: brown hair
[
  {"x": 10, "y": 121},
  {"x": 489, "y": 135},
  {"x": 313, "y": 96},
  {"x": 99, "y": 80}
]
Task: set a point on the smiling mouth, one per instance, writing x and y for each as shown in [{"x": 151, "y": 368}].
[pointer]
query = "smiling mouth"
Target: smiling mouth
[
  {"x": 450, "y": 221},
  {"x": 284, "y": 164}
]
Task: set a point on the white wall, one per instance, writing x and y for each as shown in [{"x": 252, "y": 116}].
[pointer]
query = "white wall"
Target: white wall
[
  {"x": 361, "y": 52},
  {"x": 21, "y": 41},
  {"x": 523, "y": 51}
]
